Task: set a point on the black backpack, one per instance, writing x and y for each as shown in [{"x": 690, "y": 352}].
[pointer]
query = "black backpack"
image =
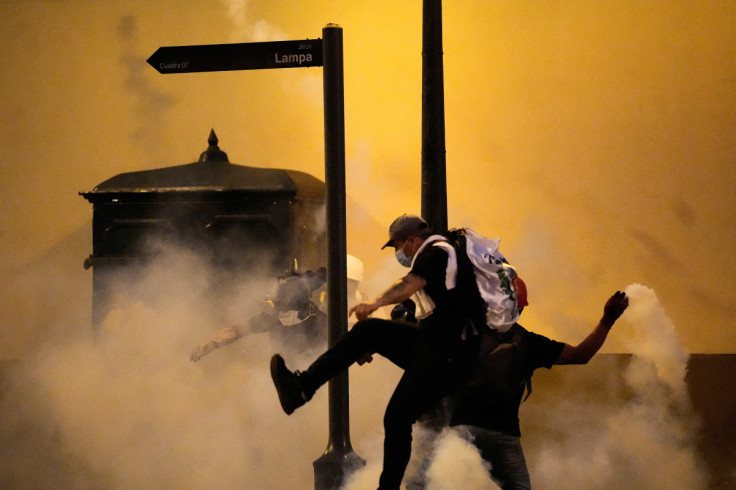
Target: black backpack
[
  {"x": 487, "y": 282},
  {"x": 499, "y": 356}
]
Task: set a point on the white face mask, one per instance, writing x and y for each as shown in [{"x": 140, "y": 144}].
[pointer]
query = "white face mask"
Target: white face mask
[
  {"x": 289, "y": 318},
  {"x": 295, "y": 317},
  {"x": 402, "y": 257}
]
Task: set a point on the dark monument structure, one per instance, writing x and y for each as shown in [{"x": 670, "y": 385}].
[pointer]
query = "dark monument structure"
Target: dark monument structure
[{"x": 243, "y": 219}]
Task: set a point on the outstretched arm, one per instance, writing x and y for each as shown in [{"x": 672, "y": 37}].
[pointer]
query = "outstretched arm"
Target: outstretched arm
[
  {"x": 222, "y": 337},
  {"x": 585, "y": 350},
  {"x": 399, "y": 291}
]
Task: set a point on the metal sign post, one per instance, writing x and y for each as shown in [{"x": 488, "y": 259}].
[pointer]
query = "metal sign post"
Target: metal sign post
[{"x": 339, "y": 457}]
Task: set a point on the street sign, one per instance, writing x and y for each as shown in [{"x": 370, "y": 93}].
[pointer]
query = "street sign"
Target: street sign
[
  {"x": 243, "y": 56},
  {"x": 339, "y": 458}
]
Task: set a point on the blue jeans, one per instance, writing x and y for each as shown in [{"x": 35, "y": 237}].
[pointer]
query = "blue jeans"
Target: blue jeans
[{"x": 503, "y": 452}]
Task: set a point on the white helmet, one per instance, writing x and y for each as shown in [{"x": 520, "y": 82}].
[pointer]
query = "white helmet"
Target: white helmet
[{"x": 354, "y": 268}]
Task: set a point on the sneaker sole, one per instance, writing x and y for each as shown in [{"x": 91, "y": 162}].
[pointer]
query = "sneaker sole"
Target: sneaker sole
[{"x": 277, "y": 362}]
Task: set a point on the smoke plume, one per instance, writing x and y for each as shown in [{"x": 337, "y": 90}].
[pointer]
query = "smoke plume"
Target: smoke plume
[
  {"x": 646, "y": 440},
  {"x": 127, "y": 409}
]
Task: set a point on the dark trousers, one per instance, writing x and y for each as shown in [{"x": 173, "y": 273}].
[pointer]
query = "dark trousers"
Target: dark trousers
[
  {"x": 430, "y": 373},
  {"x": 504, "y": 454}
]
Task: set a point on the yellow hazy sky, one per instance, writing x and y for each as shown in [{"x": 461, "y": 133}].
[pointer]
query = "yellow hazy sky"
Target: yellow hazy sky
[{"x": 596, "y": 138}]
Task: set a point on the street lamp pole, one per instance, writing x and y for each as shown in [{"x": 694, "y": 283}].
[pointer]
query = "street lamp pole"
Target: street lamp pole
[
  {"x": 339, "y": 458},
  {"x": 434, "y": 173}
]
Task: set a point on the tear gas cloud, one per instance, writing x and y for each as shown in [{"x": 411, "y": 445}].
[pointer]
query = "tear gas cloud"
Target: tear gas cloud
[
  {"x": 131, "y": 411},
  {"x": 127, "y": 409},
  {"x": 245, "y": 28}
]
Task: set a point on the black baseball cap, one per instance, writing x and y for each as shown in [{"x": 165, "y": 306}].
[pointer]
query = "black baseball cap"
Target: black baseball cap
[{"x": 405, "y": 226}]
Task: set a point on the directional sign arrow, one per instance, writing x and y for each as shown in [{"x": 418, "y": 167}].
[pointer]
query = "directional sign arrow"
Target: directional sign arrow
[{"x": 243, "y": 56}]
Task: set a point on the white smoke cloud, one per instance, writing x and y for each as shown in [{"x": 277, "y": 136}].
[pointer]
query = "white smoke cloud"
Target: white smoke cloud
[
  {"x": 456, "y": 464},
  {"x": 646, "y": 441},
  {"x": 150, "y": 103},
  {"x": 265, "y": 31},
  {"x": 446, "y": 460},
  {"x": 127, "y": 409},
  {"x": 246, "y": 29},
  {"x": 655, "y": 343},
  {"x": 237, "y": 11}
]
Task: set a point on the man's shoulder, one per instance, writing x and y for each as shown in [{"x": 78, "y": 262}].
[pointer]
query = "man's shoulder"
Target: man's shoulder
[
  {"x": 529, "y": 333},
  {"x": 436, "y": 248},
  {"x": 430, "y": 260},
  {"x": 541, "y": 350}
]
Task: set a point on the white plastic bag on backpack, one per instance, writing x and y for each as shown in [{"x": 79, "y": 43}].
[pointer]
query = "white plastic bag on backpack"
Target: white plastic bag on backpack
[{"x": 495, "y": 278}]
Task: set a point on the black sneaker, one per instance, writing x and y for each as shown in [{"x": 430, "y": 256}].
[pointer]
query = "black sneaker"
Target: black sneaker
[{"x": 287, "y": 385}]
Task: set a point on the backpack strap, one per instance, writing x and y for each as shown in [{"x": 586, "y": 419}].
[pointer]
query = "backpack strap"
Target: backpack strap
[
  {"x": 467, "y": 286},
  {"x": 451, "y": 271}
]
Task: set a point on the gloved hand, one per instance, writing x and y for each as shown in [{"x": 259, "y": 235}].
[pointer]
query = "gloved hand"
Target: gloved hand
[
  {"x": 614, "y": 308},
  {"x": 201, "y": 350},
  {"x": 364, "y": 359}
]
